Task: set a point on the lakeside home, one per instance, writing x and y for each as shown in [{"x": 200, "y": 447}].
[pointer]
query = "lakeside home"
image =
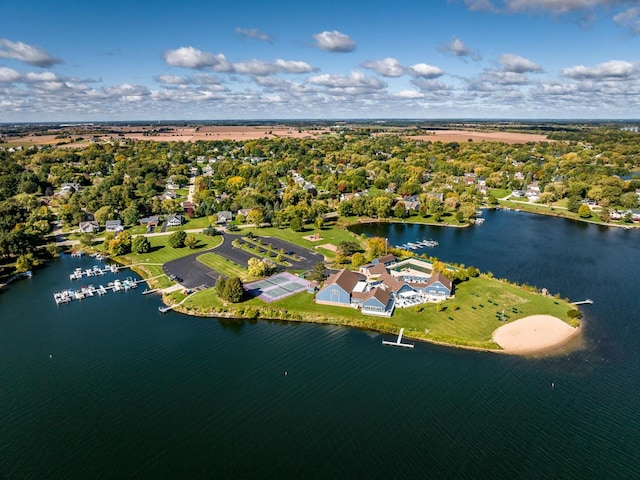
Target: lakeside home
[{"x": 378, "y": 288}]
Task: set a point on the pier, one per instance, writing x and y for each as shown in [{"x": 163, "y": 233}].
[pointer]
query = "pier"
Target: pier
[
  {"x": 588, "y": 301},
  {"x": 398, "y": 342}
]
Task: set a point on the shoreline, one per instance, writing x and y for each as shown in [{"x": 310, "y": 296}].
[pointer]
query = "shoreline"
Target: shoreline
[{"x": 575, "y": 331}]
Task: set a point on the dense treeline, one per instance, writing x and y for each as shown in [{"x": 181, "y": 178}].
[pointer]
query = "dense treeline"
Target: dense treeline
[{"x": 291, "y": 182}]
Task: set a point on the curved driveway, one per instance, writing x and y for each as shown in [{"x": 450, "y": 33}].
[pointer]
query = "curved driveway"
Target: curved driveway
[{"x": 195, "y": 274}]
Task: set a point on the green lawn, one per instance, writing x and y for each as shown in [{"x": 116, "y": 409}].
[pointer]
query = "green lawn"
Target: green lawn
[
  {"x": 224, "y": 266},
  {"x": 331, "y": 234},
  {"x": 480, "y": 306},
  {"x": 162, "y": 253},
  {"x": 499, "y": 192}
]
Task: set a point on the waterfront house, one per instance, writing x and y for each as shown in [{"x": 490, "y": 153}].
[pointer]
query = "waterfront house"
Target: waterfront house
[
  {"x": 114, "y": 226},
  {"x": 378, "y": 302},
  {"x": 438, "y": 287},
  {"x": 338, "y": 288}
]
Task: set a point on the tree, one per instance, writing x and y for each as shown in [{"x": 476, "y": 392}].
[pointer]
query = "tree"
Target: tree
[
  {"x": 348, "y": 248},
  {"x": 255, "y": 216},
  {"x": 121, "y": 244},
  {"x": 400, "y": 211},
  {"x": 318, "y": 273},
  {"x": 234, "y": 290},
  {"x": 25, "y": 262},
  {"x": 376, "y": 247},
  {"x": 358, "y": 259},
  {"x": 584, "y": 211},
  {"x": 260, "y": 267},
  {"x": 176, "y": 239},
  {"x": 573, "y": 203},
  {"x": 140, "y": 244},
  {"x": 190, "y": 242},
  {"x": 296, "y": 224}
]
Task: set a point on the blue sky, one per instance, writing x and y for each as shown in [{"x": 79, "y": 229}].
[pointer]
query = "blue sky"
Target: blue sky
[{"x": 79, "y": 60}]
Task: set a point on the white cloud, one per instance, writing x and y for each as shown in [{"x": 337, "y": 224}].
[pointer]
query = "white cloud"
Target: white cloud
[
  {"x": 518, "y": 64},
  {"x": 408, "y": 94},
  {"x": 558, "y": 6},
  {"x": 457, "y": 48},
  {"x": 387, "y": 67},
  {"x": 41, "y": 77},
  {"x": 354, "y": 83},
  {"x": 8, "y": 75},
  {"x": 612, "y": 69},
  {"x": 189, "y": 57},
  {"x": 259, "y": 67},
  {"x": 255, "y": 34},
  {"x": 171, "y": 79},
  {"x": 334, "y": 41},
  {"x": 425, "y": 71},
  {"x": 630, "y": 19},
  {"x": 26, "y": 53},
  {"x": 480, "y": 5}
]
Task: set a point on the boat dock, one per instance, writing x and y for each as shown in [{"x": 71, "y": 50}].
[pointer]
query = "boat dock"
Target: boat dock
[
  {"x": 418, "y": 244},
  {"x": 588, "y": 301},
  {"x": 69, "y": 295},
  {"x": 398, "y": 342},
  {"x": 96, "y": 271}
]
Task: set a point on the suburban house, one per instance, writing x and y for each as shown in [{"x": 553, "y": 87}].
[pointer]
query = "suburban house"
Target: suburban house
[
  {"x": 89, "y": 227},
  {"x": 175, "y": 220},
  {"x": 384, "y": 285},
  {"x": 244, "y": 212},
  {"x": 225, "y": 216},
  {"x": 152, "y": 221},
  {"x": 114, "y": 226}
]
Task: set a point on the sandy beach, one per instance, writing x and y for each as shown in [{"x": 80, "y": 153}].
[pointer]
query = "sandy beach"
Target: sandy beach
[{"x": 533, "y": 334}]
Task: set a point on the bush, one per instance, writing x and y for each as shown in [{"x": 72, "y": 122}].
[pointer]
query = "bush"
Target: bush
[{"x": 574, "y": 313}]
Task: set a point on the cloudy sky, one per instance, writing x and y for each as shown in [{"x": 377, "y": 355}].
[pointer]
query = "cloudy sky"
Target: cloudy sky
[{"x": 79, "y": 60}]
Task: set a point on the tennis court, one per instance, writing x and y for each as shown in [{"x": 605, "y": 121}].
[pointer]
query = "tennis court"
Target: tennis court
[{"x": 278, "y": 286}]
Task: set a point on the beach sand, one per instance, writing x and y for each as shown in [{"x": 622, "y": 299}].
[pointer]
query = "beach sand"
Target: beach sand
[{"x": 533, "y": 334}]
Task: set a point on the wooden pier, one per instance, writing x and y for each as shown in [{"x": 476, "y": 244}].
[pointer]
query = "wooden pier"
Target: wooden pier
[{"x": 398, "y": 342}]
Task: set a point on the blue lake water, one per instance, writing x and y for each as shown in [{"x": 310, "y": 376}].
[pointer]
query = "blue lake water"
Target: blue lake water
[{"x": 110, "y": 388}]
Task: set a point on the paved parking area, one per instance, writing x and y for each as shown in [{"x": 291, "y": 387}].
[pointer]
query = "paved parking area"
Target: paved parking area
[{"x": 193, "y": 274}]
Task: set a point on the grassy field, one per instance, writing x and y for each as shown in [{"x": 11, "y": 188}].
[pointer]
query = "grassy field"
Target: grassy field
[
  {"x": 480, "y": 306},
  {"x": 224, "y": 266},
  {"x": 331, "y": 234}
]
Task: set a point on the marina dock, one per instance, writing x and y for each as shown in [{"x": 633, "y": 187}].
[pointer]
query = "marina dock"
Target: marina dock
[
  {"x": 398, "y": 342},
  {"x": 96, "y": 271},
  {"x": 71, "y": 294}
]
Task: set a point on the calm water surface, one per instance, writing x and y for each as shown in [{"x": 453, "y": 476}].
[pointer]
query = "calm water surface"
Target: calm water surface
[{"x": 131, "y": 393}]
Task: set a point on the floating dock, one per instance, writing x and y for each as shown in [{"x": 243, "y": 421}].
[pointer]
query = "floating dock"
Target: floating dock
[{"x": 398, "y": 342}]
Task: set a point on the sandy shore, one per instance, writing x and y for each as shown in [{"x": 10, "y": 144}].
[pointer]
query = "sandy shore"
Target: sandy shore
[{"x": 533, "y": 334}]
